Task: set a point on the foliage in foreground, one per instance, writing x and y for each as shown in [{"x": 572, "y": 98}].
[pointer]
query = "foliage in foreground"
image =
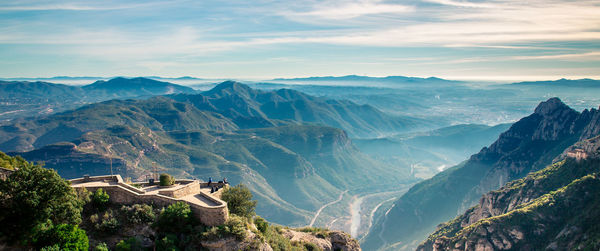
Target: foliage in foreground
[
  {"x": 239, "y": 200},
  {"x": 65, "y": 237},
  {"x": 33, "y": 198},
  {"x": 176, "y": 218},
  {"x": 235, "y": 226}
]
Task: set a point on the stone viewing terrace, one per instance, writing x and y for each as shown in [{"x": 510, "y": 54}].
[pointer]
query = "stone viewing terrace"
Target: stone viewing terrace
[{"x": 207, "y": 206}]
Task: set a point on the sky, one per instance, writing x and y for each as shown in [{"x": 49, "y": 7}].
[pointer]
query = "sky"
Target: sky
[{"x": 261, "y": 39}]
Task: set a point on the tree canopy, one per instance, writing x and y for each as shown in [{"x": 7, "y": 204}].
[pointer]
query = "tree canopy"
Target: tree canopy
[
  {"x": 33, "y": 198},
  {"x": 239, "y": 200}
]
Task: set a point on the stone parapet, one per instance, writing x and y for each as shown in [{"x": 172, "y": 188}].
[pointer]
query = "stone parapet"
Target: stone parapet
[
  {"x": 181, "y": 191},
  {"x": 122, "y": 193}
]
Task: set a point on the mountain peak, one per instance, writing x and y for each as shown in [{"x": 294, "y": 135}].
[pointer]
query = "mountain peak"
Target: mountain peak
[
  {"x": 125, "y": 82},
  {"x": 231, "y": 84},
  {"x": 230, "y": 87},
  {"x": 549, "y": 106},
  {"x": 133, "y": 87}
]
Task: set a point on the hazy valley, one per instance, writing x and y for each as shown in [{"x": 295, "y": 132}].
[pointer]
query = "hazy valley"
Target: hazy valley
[{"x": 332, "y": 152}]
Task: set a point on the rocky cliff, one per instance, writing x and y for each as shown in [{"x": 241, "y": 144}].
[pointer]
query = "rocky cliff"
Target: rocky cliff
[
  {"x": 556, "y": 208},
  {"x": 529, "y": 145}
]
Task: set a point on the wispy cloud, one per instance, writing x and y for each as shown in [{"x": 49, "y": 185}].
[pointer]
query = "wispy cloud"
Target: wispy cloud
[
  {"x": 467, "y": 4},
  {"x": 594, "y": 56},
  {"x": 190, "y": 32},
  {"x": 348, "y": 10},
  {"x": 71, "y": 5}
]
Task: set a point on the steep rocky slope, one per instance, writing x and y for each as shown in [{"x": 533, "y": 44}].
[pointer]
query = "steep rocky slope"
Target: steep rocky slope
[
  {"x": 556, "y": 208},
  {"x": 529, "y": 145}
]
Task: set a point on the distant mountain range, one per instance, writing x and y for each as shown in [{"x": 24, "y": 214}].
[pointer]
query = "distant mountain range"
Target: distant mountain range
[
  {"x": 529, "y": 145},
  {"x": 356, "y": 78},
  {"x": 93, "y": 78},
  {"x": 280, "y": 143},
  {"x": 23, "y": 98},
  {"x": 579, "y": 83}
]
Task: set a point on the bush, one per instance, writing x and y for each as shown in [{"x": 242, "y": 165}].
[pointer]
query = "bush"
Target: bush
[
  {"x": 273, "y": 236},
  {"x": 261, "y": 224},
  {"x": 167, "y": 243},
  {"x": 316, "y": 231},
  {"x": 83, "y": 195},
  {"x": 101, "y": 247},
  {"x": 176, "y": 218},
  {"x": 234, "y": 226},
  {"x": 166, "y": 179},
  {"x": 108, "y": 224},
  {"x": 66, "y": 237},
  {"x": 139, "y": 213},
  {"x": 100, "y": 199},
  {"x": 311, "y": 246},
  {"x": 131, "y": 244},
  {"x": 237, "y": 226},
  {"x": 239, "y": 200},
  {"x": 54, "y": 247},
  {"x": 33, "y": 196}
]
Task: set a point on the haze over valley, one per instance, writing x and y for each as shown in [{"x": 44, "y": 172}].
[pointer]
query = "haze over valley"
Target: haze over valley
[
  {"x": 328, "y": 154},
  {"x": 300, "y": 125}
]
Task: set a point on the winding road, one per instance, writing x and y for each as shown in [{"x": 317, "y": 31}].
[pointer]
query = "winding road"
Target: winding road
[{"x": 312, "y": 222}]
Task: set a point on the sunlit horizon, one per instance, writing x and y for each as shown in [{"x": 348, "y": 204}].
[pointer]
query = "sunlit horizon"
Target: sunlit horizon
[{"x": 482, "y": 40}]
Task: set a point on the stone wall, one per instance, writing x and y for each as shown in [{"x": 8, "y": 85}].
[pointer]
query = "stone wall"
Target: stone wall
[
  {"x": 188, "y": 189},
  {"x": 4, "y": 173},
  {"x": 220, "y": 186},
  {"x": 121, "y": 193}
]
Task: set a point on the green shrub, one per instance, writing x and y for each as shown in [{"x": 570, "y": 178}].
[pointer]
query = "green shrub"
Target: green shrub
[
  {"x": 31, "y": 197},
  {"x": 54, "y": 247},
  {"x": 66, "y": 237},
  {"x": 131, "y": 244},
  {"x": 239, "y": 200},
  {"x": 273, "y": 236},
  {"x": 237, "y": 226},
  {"x": 100, "y": 199},
  {"x": 311, "y": 246},
  {"x": 176, "y": 218},
  {"x": 318, "y": 232},
  {"x": 261, "y": 224},
  {"x": 83, "y": 195},
  {"x": 167, "y": 243},
  {"x": 139, "y": 213},
  {"x": 101, "y": 247},
  {"x": 107, "y": 224},
  {"x": 234, "y": 226},
  {"x": 166, "y": 179}
]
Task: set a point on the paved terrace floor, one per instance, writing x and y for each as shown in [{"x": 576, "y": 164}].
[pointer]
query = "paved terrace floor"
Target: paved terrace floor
[{"x": 151, "y": 190}]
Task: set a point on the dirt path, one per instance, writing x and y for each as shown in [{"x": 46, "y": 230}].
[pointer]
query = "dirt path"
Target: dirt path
[{"x": 312, "y": 222}]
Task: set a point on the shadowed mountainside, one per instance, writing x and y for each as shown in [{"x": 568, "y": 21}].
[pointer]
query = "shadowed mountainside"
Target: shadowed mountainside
[
  {"x": 555, "y": 208},
  {"x": 529, "y": 145}
]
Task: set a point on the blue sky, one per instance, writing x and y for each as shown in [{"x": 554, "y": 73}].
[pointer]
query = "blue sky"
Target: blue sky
[{"x": 496, "y": 40}]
